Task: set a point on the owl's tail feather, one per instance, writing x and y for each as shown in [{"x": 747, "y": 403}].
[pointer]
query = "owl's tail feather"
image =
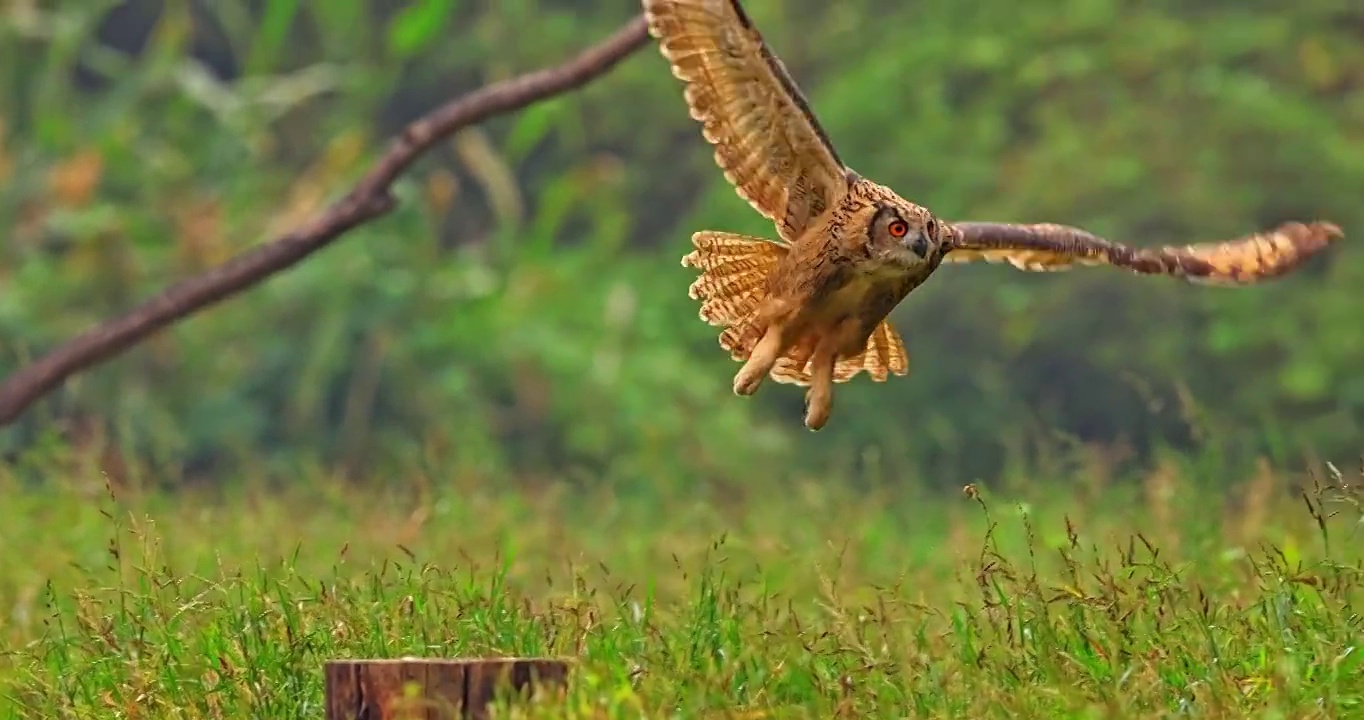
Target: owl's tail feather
[
  {"x": 884, "y": 356},
  {"x": 732, "y": 284}
]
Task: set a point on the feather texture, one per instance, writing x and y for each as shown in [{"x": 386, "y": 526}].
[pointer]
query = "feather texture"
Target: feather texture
[
  {"x": 767, "y": 141},
  {"x": 1046, "y": 247}
]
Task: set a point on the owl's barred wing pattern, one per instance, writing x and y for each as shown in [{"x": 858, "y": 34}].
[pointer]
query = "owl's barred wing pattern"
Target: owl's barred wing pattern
[
  {"x": 890, "y": 353},
  {"x": 732, "y": 284},
  {"x": 1240, "y": 261},
  {"x": 733, "y": 275},
  {"x": 767, "y": 141},
  {"x": 884, "y": 356}
]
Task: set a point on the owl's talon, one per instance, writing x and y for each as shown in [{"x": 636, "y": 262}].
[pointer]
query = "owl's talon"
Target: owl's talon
[
  {"x": 817, "y": 411},
  {"x": 759, "y": 363},
  {"x": 819, "y": 398},
  {"x": 746, "y": 382}
]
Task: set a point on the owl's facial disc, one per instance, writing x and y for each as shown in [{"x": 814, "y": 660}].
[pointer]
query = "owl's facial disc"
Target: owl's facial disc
[{"x": 903, "y": 237}]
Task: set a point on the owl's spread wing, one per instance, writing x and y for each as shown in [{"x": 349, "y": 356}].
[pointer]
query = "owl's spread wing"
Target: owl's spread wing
[
  {"x": 767, "y": 141},
  {"x": 1240, "y": 261}
]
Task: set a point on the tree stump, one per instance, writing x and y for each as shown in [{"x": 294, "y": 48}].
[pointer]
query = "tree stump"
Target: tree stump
[{"x": 432, "y": 689}]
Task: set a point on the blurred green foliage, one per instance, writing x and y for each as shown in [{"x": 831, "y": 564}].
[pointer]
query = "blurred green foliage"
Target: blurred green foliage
[{"x": 524, "y": 310}]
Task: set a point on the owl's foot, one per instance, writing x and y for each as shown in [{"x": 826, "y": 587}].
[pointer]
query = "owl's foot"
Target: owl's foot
[
  {"x": 759, "y": 363},
  {"x": 747, "y": 380},
  {"x": 817, "y": 410},
  {"x": 819, "y": 399}
]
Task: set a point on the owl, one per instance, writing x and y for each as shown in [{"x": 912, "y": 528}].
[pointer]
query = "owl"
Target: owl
[{"x": 810, "y": 307}]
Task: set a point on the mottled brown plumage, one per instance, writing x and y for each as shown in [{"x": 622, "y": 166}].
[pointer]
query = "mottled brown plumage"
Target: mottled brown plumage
[
  {"x": 1047, "y": 247},
  {"x": 810, "y": 308}
]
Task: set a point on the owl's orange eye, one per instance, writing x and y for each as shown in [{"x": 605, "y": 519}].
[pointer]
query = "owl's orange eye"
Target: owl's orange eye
[{"x": 898, "y": 229}]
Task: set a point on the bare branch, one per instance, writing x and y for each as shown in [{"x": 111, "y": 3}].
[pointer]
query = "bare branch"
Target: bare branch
[{"x": 369, "y": 200}]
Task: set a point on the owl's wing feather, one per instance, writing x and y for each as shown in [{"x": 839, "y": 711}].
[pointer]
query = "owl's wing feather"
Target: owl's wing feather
[
  {"x": 767, "y": 141},
  {"x": 733, "y": 278},
  {"x": 1240, "y": 261}
]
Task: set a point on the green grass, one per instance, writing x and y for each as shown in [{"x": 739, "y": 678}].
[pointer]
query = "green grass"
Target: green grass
[{"x": 1150, "y": 598}]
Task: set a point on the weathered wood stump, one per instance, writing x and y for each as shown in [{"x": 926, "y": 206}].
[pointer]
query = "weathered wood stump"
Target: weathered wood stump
[{"x": 432, "y": 689}]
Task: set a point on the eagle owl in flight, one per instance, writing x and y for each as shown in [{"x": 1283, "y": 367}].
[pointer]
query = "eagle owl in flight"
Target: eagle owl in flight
[{"x": 810, "y": 309}]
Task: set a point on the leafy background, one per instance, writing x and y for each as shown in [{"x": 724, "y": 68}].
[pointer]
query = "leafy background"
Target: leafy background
[{"x": 524, "y": 313}]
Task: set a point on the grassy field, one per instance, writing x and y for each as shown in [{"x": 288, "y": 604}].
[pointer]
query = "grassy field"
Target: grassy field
[{"x": 1151, "y": 598}]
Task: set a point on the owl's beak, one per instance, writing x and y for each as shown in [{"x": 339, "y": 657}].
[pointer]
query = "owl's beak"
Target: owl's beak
[{"x": 920, "y": 245}]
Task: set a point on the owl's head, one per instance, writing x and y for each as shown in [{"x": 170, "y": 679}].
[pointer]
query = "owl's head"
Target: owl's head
[{"x": 904, "y": 235}]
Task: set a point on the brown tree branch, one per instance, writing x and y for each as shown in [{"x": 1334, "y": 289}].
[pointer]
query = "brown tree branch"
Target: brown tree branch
[{"x": 369, "y": 200}]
